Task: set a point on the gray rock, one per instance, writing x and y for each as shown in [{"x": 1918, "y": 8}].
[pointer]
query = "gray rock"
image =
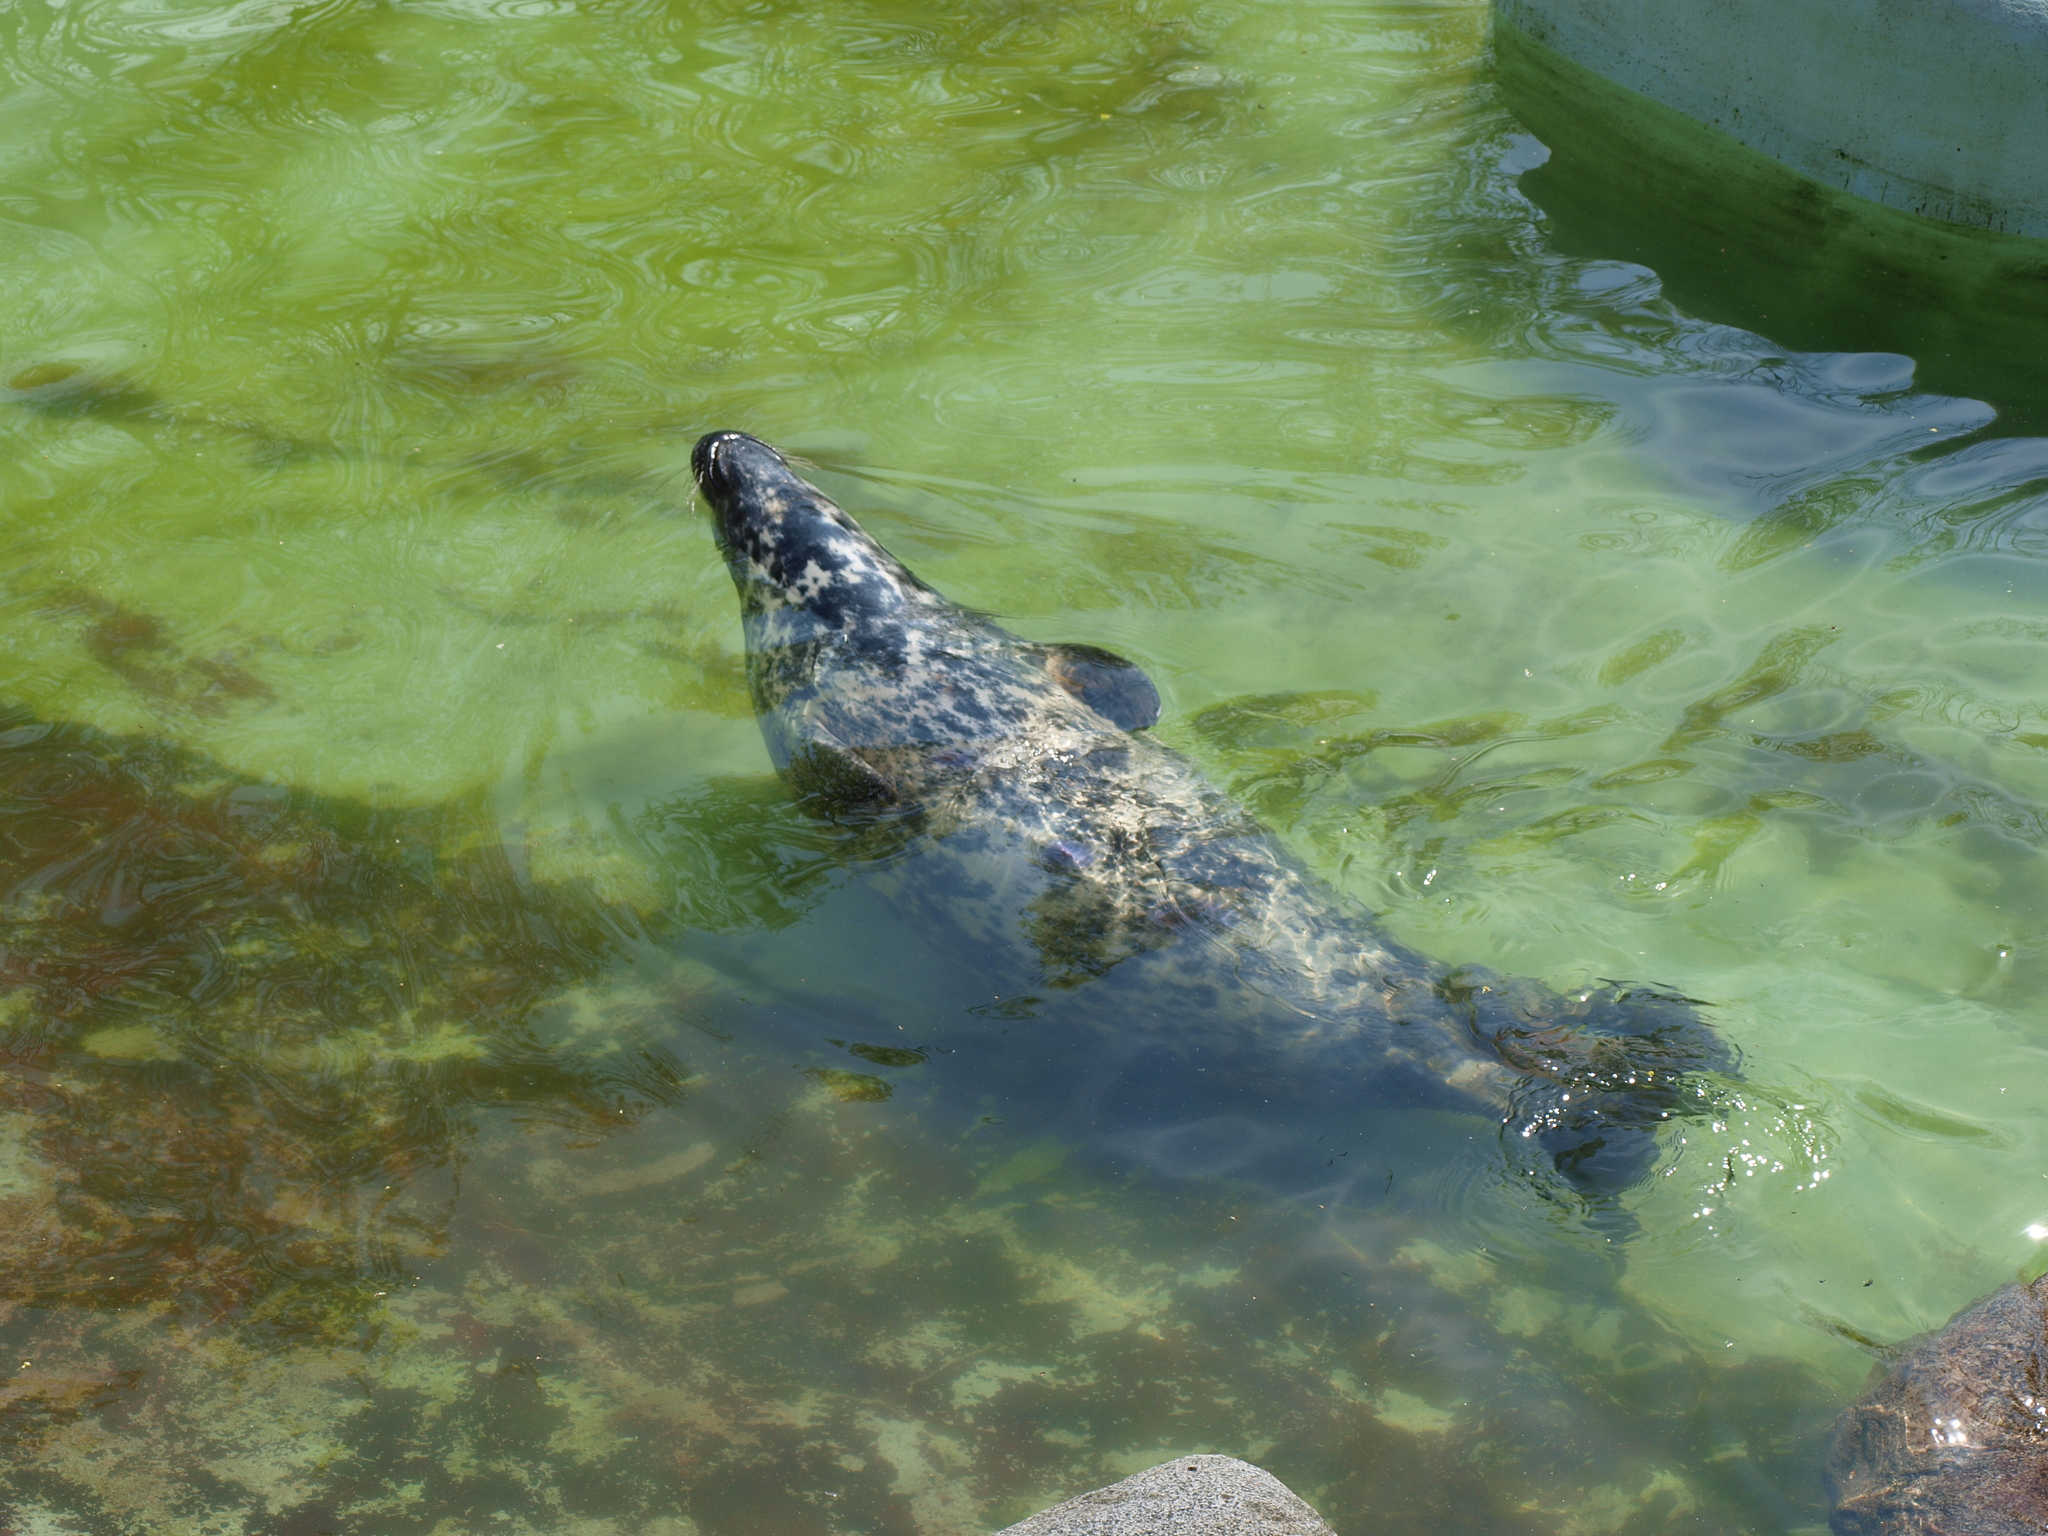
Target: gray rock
[{"x": 1188, "y": 1496}]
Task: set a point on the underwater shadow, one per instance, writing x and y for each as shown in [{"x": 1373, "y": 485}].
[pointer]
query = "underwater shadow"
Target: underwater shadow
[{"x": 242, "y": 1023}]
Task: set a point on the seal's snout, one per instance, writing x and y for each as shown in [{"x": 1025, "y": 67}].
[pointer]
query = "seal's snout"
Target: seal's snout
[{"x": 723, "y": 459}]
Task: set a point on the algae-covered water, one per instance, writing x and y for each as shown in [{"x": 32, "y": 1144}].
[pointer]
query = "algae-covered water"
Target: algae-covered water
[{"x": 451, "y": 1089}]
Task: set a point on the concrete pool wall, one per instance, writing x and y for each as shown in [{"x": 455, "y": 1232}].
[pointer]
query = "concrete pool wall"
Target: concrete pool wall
[
  {"x": 1644, "y": 117},
  {"x": 1934, "y": 107}
]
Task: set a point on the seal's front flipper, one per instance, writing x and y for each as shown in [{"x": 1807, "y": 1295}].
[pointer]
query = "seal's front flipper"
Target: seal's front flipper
[
  {"x": 835, "y": 779},
  {"x": 823, "y": 769},
  {"x": 1114, "y": 688}
]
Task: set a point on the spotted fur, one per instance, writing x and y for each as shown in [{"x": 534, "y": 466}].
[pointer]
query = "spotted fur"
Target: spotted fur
[{"x": 1078, "y": 851}]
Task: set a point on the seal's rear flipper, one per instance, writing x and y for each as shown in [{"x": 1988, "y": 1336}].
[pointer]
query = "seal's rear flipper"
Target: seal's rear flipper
[
  {"x": 1595, "y": 1157},
  {"x": 1601, "y": 1069},
  {"x": 1116, "y": 689},
  {"x": 1576, "y": 1153}
]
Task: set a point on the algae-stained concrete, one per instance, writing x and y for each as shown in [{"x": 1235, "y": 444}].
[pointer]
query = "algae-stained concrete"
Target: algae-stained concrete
[
  {"x": 1737, "y": 237},
  {"x": 1931, "y": 106},
  {"x": 1188, "y": 1496}
]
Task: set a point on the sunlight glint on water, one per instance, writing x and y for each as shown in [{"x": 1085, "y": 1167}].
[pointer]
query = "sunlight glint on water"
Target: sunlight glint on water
[{"x": 430, "y": 1104}]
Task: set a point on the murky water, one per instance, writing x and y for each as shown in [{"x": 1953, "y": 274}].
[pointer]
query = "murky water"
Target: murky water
[{"x": 450, "y": 1089}]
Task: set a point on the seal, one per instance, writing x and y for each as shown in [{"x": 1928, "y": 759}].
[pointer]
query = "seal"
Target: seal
[{"x": 1031, "y": 827}]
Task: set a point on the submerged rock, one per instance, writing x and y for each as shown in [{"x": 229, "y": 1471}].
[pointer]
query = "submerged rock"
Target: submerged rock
[
  {"x": 1953, "y": 1439},
  {"x": 1189, "y": 1496}
]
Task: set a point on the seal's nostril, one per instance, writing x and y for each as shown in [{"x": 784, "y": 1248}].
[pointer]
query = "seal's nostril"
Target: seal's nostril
[
  {"x": 714, "y": 451},
  {"x": 704, "y": 457}
]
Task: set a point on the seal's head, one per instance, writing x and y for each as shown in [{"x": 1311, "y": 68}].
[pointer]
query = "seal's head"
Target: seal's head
[
  {"x": 790, "y": 547},
  {"x": 869, "y": 684}
]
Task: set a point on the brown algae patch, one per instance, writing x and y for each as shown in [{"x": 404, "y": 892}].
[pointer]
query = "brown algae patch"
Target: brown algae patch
[{"x": 245, "y": 1028}]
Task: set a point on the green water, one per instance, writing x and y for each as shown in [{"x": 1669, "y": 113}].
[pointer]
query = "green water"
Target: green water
[{"x": 423, "y": 1112}]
